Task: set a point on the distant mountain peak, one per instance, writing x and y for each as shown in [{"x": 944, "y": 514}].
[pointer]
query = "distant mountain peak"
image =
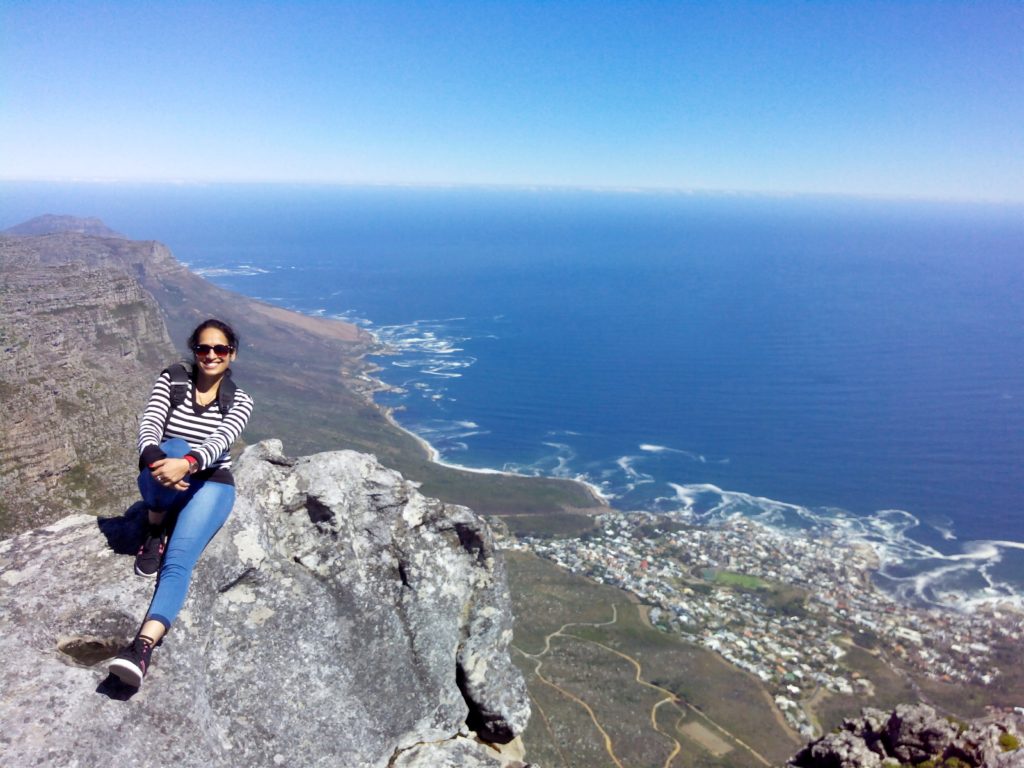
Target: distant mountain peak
[{"x": 50, "y": 224}]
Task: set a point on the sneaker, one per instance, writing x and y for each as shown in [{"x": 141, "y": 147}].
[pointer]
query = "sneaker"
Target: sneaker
[
  {"x": 150, "y": 554},
  {"x": 132, "y": 664}
]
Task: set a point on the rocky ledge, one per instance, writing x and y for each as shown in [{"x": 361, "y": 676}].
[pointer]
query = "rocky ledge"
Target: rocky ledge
[
  {"x": 340, "y": 618},
  {"x": 915, "y": 735}
]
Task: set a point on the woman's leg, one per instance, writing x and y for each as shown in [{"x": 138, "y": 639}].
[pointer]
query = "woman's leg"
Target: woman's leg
[
  {"x": 198, "y": 521},
  {"x": 207, "y": 506},
  {"x": 158, "y": 499}
]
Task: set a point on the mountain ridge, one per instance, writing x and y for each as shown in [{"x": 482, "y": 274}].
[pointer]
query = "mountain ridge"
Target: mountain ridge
[{"x": 50, "y": 223}]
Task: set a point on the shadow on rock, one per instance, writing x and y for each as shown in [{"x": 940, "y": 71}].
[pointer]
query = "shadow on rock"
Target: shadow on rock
[
  {"x": 124, "y": 533},
  {"x": 112, "y": 687}
]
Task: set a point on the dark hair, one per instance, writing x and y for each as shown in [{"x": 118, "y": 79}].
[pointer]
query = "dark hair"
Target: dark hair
[{"x": 220, "y": 325}]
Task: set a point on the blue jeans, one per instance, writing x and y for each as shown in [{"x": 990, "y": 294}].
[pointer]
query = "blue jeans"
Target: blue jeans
[{"x": 203, "y": 508}]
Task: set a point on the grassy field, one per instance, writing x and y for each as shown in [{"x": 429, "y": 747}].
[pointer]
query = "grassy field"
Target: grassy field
[
  {"x": 552, "y": 524},
  {"x": 739, "y": 581},
  {"x": 890, "y": 688}
]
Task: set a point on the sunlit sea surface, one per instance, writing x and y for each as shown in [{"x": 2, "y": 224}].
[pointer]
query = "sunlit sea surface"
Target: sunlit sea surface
[{"x": 856, "y": 366}]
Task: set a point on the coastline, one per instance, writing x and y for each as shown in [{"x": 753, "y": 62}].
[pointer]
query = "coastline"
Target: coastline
[
  {"x": 432, "y": 454},
  {"x": 358, "y": 375},
  {"x": 435, "y": 457},
  {"x": 878, "y": 555}
]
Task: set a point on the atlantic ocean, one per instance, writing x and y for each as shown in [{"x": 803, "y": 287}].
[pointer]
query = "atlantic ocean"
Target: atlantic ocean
[{"x": 850, "y": 365}]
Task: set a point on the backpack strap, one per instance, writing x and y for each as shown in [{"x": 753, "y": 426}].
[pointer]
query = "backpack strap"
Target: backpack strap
[
  {"x": 226, "y": 393},
  {"x": 181, "y": 380}
]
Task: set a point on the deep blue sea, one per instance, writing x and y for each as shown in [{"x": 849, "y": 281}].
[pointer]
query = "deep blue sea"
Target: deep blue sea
[{"x": 847, "y": 363}]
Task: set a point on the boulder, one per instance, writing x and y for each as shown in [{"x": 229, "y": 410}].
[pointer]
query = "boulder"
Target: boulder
[
  {"x": 339, "y": 618},
  {"x": 915, "y": 734},
  {"x": 837, "y": 750}
]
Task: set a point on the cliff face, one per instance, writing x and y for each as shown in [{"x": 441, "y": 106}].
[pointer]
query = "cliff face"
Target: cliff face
[
  {"x": 339, "y": 619},
  {"x": 79, "y": 349}
]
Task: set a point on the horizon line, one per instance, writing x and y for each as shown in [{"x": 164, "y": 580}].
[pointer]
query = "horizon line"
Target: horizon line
[{"x": 622, "y": 189}]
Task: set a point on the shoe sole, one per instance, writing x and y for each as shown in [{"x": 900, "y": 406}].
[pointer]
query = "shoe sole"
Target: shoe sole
[
  {"x": 128, "y": 673},
  {"x": 145, "y": 575}
]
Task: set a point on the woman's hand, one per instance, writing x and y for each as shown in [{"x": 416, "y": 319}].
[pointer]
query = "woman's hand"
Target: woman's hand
[{"x": 171, "y": 473}]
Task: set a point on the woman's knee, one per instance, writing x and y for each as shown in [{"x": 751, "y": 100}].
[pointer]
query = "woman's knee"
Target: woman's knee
[
  {"x": 175, "y": 448},
  {"x": 155, "y": 495}
]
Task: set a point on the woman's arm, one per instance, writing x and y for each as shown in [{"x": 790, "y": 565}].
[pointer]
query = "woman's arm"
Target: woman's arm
[
  {"x": 151, "y": 426},
  {"x": 226, "y": 434}
]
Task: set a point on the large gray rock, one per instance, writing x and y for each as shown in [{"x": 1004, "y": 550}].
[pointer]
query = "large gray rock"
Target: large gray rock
[
  {"x": 913, "y": 734},
  {"x": 339, "y": 618},
  {"x": 916, "y": 732},
  {"x": 838, "y": 750}
]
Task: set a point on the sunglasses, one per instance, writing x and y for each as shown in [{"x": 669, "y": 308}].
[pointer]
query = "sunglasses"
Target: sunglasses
[{"x": 221, "y": 350}]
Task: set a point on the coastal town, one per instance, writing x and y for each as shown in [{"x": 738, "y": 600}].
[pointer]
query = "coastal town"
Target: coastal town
[{"x": 784, "y": 606}]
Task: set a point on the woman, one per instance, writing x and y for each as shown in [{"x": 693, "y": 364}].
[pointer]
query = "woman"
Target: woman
[{"x": 185, "y": 438}]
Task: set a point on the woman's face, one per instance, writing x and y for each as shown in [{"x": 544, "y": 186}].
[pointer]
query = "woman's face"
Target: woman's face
[{"x": 209, "y": 361}]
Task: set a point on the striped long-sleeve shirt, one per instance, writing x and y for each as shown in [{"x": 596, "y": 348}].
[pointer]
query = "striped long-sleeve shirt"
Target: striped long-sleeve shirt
[{"x": 208, "y": 433}]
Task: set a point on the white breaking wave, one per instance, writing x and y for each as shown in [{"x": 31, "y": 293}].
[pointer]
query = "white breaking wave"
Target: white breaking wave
[
  {"x": 633, "y": 476},
  {"x": 698, "y": 457},
  {"x": 241, "y": 270},
  {"x": 351, "y": 317},
  {"x": 556, "y": 464},
  {"x": 944, "y": 528}
]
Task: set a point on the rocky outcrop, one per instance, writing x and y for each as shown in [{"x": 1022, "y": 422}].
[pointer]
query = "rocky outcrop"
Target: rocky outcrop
[
  {"x": 340, "y": 618},
  {"x": 80, "y": 347},
  {"x": 917, "y": 735}
]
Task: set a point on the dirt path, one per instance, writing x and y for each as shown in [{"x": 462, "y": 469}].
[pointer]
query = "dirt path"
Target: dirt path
[
  {"x": 669, "y": 697},
  {"x": 609, "y": 746}
]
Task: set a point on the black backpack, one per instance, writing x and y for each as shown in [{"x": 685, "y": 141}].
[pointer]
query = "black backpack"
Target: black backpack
[{"x": 182, "y": 375}]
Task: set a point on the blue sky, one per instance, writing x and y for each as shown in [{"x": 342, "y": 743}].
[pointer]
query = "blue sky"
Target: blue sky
[{"x": 920, "y": 99}]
